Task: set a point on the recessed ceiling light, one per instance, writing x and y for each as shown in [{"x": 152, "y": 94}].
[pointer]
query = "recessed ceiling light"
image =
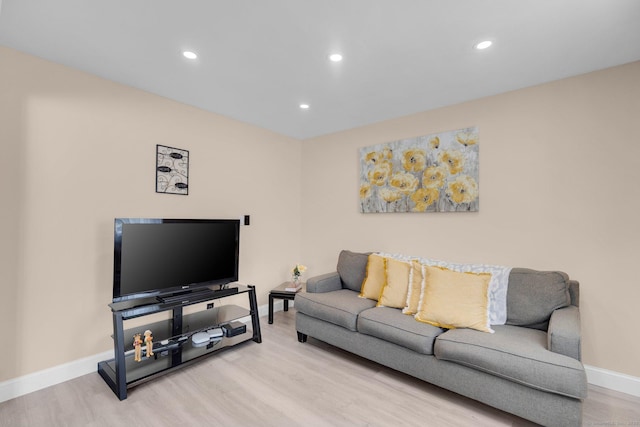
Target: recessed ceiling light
[
  {"x": 483, "y": 45},
  {"x": 335, "y": 57},
  {"x": 189, "y": 55},
  {"x": 304, "y": 106}
]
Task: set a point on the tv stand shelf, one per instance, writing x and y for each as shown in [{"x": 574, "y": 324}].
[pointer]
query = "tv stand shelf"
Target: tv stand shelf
[{"x": 172, "y": 344}]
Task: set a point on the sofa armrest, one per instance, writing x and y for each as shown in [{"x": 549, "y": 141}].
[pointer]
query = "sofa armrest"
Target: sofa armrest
[
  {"x": 324, "y": 283},
  {"x": 563, "y": 335}
]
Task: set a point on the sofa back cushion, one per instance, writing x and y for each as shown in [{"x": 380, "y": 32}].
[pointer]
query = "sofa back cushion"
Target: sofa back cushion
[
  {"x": 352, "y": 267},
  {"x": 533, "y": 295}
]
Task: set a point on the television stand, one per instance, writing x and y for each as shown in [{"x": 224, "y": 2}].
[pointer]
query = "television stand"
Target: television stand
[{"x": 172, "y": 344}]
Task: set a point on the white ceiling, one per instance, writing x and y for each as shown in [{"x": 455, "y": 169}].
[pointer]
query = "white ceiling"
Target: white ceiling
[{"x": 259, "y": 59}]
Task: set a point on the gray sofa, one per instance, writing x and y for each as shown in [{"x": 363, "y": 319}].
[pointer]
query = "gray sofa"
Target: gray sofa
[{"x": 529, "y": 367}]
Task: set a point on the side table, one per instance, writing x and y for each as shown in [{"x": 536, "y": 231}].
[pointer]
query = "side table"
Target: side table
[{"x": 280, "y": 293}]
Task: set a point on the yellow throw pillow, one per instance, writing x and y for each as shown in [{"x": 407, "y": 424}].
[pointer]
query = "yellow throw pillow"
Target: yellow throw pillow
[
  {"x": 394, "y": 292},
  {"x": 374, "y": 279},
  {"x": 455, "y": 300},
  {"x": 416, "y": 282}
]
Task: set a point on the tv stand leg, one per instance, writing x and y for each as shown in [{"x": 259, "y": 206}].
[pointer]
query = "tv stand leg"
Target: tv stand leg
[
  {"x": 176, "y": 355},
  {"x": 255, "y": 320},
  {"x": 121, "y": 370}
]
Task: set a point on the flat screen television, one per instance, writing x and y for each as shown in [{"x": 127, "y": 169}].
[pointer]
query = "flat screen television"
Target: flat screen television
[{"x": 163, "y": 257}]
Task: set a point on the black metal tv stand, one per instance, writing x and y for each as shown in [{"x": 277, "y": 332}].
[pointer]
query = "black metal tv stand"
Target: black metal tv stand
[{"x": 172, "y": 346}]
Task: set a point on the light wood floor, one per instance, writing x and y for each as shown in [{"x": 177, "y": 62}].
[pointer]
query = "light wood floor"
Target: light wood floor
[{"x": 281, "y": 383}]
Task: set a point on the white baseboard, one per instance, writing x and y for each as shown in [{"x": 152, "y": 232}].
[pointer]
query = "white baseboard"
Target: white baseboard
[
  {"x": 613, "y": 380},
  {"x": 38, "y": 380},
  {"x": 278, "y": 305}
]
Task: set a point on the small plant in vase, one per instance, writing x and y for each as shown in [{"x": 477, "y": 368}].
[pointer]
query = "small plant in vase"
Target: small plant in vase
[{"x": 296, "y": 273}]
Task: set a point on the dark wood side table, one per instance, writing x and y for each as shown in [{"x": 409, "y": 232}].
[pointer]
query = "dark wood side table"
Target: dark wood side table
[{"x": 280, "y": 293}]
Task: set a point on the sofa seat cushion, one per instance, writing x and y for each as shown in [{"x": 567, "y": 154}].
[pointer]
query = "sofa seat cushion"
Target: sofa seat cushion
[
  {"x": 391, "y": 325},
  {"x": 516, "y": 353},
  {"x": 338, "y": 307}
]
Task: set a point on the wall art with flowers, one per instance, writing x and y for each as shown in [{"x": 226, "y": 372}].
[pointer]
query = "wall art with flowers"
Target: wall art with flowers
[{"x": 431, "y": 173}]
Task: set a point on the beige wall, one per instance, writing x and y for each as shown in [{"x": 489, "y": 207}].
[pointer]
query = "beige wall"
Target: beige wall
[
  {"x": 11, "y": 162},
  {"x": 559, "y": 176},
  {"x": 559, "y": 166},
  {"x": 77, "y": 151}
]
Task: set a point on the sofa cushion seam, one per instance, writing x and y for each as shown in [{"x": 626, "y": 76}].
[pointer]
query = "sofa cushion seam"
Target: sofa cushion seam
[
  {"x": 505, "y": 352},
  {"x": 335, "y": 308},
  {"x": 397, "y": 328}
]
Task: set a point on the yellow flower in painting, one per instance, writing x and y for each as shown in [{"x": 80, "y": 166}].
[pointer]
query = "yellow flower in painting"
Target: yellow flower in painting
[
  {"x": 434, "y": 176},
  {"x": 414, "y": 160},
  {"x": 365, "y": 191},
  {"x": 453, "y": 159},
  {"x": 387, "y": 153},
  {"x": 434, "y": 143},
  {"x": 463, "y": 189},
  {"x": 404, "y": 182},
  {"x": 373, "y": 157},
  {"x": 380, "y": 173},
  {"x": 389, "y": 195},
  {"x": 467, "y": 138},
  {"x": 424, "y": 198}
]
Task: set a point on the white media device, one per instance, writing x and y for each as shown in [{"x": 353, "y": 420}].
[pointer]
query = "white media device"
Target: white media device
[
  {"x": 200, "y": 338},
  {"x": 215, "y": 333}
]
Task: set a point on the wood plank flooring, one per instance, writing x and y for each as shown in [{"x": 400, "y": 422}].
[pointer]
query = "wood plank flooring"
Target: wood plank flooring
[{"x": 281, "y": 383}]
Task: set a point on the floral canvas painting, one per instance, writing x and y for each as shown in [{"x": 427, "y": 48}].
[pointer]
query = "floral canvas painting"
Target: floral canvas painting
[{"x": 432, "y": 173}]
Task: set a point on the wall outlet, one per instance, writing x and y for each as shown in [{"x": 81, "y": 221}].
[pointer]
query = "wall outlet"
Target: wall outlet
[{"x": 209, "y": 306}]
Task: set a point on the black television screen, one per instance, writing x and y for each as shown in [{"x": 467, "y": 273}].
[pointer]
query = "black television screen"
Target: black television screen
[{"x": 165, "y": 256}]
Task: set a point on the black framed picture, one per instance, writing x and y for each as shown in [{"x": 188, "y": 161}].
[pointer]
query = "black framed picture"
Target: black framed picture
[{"x": 172, "y": 170}]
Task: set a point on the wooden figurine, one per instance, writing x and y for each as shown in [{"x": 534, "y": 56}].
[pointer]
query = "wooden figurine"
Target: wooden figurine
[
  {"x": 148, "y": 339},
  {"x": 137, "y": 345}
]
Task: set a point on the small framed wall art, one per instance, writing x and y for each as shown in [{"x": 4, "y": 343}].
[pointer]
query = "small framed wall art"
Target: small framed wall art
[{"x": 172, "y": 170}]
